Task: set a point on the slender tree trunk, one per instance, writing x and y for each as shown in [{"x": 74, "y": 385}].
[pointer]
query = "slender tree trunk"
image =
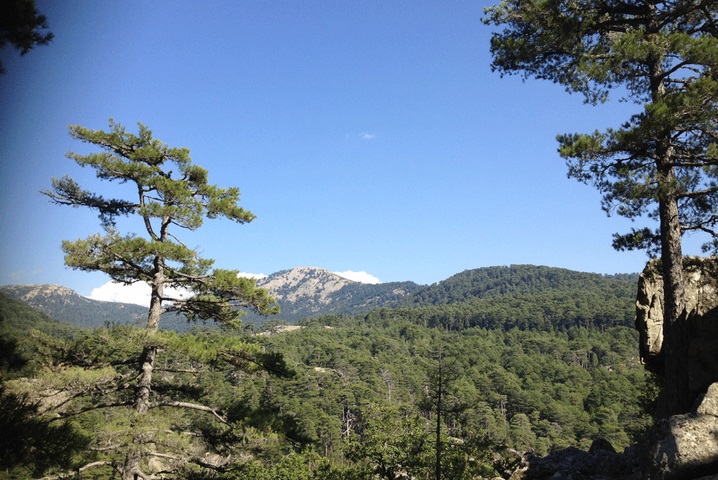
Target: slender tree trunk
[
  {"x": 158, "y": 283},
  {"x": 132, "y": 468},
  {"x": 147, "y": 360},
  {"x": 439, "y": 393}
]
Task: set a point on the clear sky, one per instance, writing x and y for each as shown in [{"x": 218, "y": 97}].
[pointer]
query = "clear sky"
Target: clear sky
[{"x": 366, "y": 136}]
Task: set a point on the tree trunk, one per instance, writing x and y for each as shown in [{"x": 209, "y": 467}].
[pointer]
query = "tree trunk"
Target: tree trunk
[
  {"x": 675, "y": 397},
  {"x": 438, "y": 420},
  {"x": 132, "y": 468},
  {"x": 158, "y": 285}
]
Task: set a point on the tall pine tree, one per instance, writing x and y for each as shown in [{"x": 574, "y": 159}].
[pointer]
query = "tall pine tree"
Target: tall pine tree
[
  {"x": 662, "y": 163},
  {"x": 168, "y": 193}
]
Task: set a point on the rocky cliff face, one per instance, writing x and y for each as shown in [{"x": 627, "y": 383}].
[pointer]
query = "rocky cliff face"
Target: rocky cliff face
[
  {"x": 683, "y": 446},
  {"x": 701, "y": 275}
]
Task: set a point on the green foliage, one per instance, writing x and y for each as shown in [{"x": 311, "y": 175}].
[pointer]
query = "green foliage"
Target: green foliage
[
  {"x": 530, "y": 390},
  {"x": 355, "y": 396},
  {"x": 30, "y": 442},
  {"x": 91, "y": 374},
  {"x": 19, "y": 327},
  {"x": 392, "y": 442},
  {"x": 522, "y": 296},
  {"x": 522, "y": 280}
]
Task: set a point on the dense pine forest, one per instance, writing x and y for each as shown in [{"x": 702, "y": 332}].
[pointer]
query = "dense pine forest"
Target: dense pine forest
[{"x": 468, "y": 374}]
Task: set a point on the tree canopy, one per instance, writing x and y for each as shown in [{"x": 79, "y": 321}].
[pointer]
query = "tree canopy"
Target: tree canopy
[{"x": 530, "y": 369}]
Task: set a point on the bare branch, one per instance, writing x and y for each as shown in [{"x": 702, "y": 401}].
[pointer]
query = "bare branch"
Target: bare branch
[
  {"x": 99, "y": 406},
  {"x": 76, "y": 473},
  {"x": 191, "y": 406}
]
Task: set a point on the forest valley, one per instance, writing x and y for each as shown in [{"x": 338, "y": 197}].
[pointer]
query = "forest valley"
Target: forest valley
[
  {"x": 477, "y": 370},
  {"x": 454, "y": 383}
]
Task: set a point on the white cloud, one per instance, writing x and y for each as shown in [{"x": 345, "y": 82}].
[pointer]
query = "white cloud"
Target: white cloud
[
  {"x": 367, "y": 136},
  {"x": 361, "y": 277},
  {"x": 137, "y": 293},
  {"x": 258, "y": 276}
]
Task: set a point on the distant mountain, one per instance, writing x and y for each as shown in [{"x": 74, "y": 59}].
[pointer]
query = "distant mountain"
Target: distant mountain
[
  {"x": 70, "y": 307},
  {"x": 18, "y": 317},
  {"x": 309, "y": 285},
  {"x": 301, "y": 292},
  {"x": 484, "y": 296},
  {"x": 310, "y": 291},
  {"x": 522, "y": 280},
  {"x": 527, "y": 297}
]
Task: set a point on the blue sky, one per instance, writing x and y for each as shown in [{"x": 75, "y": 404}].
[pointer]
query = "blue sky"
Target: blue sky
[{"x": 366, "y": 136}]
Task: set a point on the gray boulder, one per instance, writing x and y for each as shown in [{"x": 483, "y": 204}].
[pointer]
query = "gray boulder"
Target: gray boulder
[{"x": 684, "y": 446}]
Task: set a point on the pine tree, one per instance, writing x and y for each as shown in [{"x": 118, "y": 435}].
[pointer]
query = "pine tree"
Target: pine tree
[
  {"x": 169, "y": 193},
  {"x": 662, "y": 164}
]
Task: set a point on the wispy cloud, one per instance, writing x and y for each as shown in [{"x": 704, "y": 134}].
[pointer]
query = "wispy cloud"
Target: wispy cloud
[
  {"x": 367, "y": 136},
  {"x": 361, "y": 277}
]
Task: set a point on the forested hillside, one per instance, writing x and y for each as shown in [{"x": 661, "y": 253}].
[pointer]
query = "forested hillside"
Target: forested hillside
[
  {"x": 523, "y": 280},
  {"x": 561, "y": 388},
  {"x": 344, "y": 396},
  {"x": 68, "y": 306},
  {"x": 524, "y": 296}
]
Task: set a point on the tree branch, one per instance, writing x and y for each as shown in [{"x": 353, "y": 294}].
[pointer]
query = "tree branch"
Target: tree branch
[
  {"x": 191, "y": 406},
  {"x": 76, "y": 473},
  {"x": 62, "y": 416}
]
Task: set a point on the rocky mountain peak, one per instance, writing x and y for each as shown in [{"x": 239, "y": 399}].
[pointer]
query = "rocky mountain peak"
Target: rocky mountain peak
[
  {"x": 33, "y": 293},
  {"x": 311, "y": 284}
]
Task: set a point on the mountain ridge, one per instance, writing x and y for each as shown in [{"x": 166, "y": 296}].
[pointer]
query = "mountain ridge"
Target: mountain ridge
[
  {"x": 66, "y": 305},
  {"x": 305, "y": 292},
  {"x": 313, "y": 291}
]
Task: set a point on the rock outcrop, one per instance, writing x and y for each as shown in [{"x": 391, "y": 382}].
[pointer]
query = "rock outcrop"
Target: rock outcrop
[
  {"x": 683, "y": 446},
  {"x": 701, "y": 283}
]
